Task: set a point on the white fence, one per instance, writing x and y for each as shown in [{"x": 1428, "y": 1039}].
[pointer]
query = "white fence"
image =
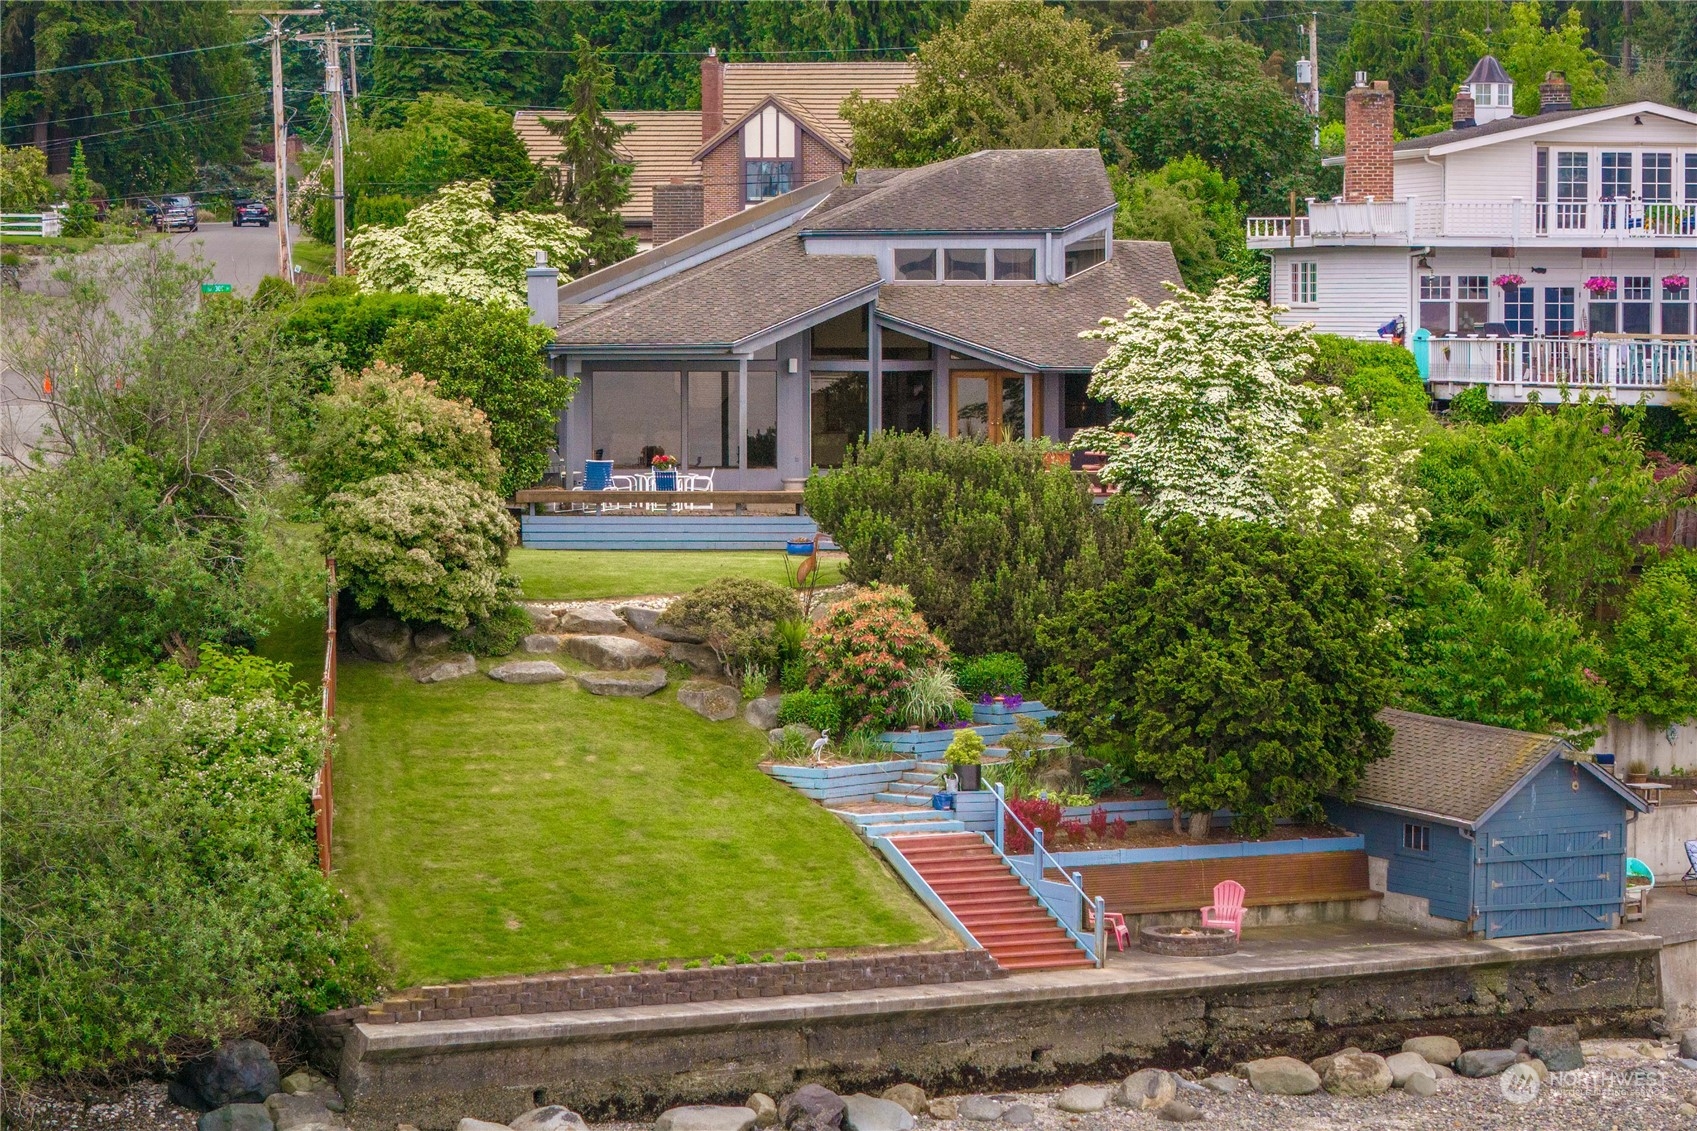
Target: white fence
[
  {"x": 30, "y": 224},
  {"x": 1624, "y": 367},
  {"x": 1614, "y": 221}
]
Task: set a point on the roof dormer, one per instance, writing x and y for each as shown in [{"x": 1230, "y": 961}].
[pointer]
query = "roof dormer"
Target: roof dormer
[{"x": 1492, "y": 91}]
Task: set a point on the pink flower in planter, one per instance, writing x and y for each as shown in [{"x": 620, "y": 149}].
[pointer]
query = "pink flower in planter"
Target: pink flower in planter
[
  {"x": 1600, "y": 284},
  {"x": 1509, "y": 281}
]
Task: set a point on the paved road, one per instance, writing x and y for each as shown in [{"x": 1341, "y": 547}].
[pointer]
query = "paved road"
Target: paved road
[{"x": 240, "y": 256}]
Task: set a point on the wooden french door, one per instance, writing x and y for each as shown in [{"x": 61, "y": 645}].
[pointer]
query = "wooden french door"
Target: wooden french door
[{"x": 992, "y": 404}]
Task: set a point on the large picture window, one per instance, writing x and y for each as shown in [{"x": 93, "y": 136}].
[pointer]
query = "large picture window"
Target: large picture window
[
  {"x": 634, "y": 417},
  {"x": 1016, "y": 264},
  {"x": 916, "y": 264},
  {"x": 1084, "y": 254},
  {"x": 839, "y": 415}
]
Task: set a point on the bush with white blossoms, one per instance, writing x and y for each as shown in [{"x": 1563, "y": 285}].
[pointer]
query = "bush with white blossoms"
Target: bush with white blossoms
[
  {"x": 1207, "y": 387},
  {"x": 458, "y": 246}
]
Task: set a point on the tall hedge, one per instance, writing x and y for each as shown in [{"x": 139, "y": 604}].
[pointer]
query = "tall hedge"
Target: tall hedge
[{"x": 986, "y": 537}]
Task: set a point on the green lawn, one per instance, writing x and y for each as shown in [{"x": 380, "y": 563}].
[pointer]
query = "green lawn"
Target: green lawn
[
  {"x": 486, "y": 828},
  {"x": 319, "y": 258},
  {"x": 569, "y": 575}
]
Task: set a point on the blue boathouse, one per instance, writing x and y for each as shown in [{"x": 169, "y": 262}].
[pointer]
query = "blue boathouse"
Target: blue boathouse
[{"x": 1504, "y": 832}]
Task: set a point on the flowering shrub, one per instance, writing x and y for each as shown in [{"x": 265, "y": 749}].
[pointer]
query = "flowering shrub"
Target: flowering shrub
[
  {"x": 429, "y": 545},
  {"x": 1509, "y": 281},
  {"x": 1030, "y": 813},
  {"x": 1600, "y": 284},
  {"x": 867, "y": 650}
]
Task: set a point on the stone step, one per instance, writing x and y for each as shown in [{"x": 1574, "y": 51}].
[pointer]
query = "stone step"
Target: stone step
[
  {"x": 914, "y": 828},
  {"x": 893, "y": 798},
  {"x": 885, "y": 818}
]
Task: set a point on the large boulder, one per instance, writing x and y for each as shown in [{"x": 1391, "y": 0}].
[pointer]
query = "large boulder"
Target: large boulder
[
  {"x": 590, "y": 620},
  {"x": 432, "y": 638},
  {"x": 440, "y": 669},
  {"x": 298, "y": 1113},
  {"x": 1420, "y": 1085},
  {"x": 1435, "y": 1050},
  {"x": 701, "y": 659},
  {"x": 812, "y": 1107},
  {"x": 542, "y": 618},
  {"x": 1557, "y": 1046},
  {"x": 676, "y": 634},
  {"x": 1082, "y": 1099},
  {"x": 705, "y": 1117},
  {"x": 1282, "y": 1076},
  {"x": 762, "y": 713},
  {"x": 943, "y": 1108},
  {"x": 236, "y": 1072},
  {"x": 642, "y": 618},
  {"x": 712, "y": 701},
  {"x": 910, "y": 1096},
  {"x": 1404, "y": 1065},
  {"x": 611, "y": 653},
  {"x": 1358, "y": 1074},
  {"x": 236, "y": 1117},
  {"x": 633, "y": 685},
  {"x": 764, "y": 1107},
  {"x": 1484, "y": 1062},
  {"x": 554, "y": 1117},
  {"x": 1147, "y": 1089},
  {"x": 528, "y": 671},
  {"x": 862, "y": 1112},
  {"x": 540, "y": 643},
  {"x": 1019, "y": 1115},
  {"x": 382, "y": 639}
]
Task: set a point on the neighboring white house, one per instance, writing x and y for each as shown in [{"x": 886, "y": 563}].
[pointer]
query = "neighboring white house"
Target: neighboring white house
[{"x": 1528, "y": 254}]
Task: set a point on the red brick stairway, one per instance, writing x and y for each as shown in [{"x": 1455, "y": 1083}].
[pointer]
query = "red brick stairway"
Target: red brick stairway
[{"x": 988, "y": 898}]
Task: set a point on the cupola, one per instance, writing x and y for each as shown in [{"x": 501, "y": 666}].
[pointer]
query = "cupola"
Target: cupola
[{"x": 1492, "y": 91}]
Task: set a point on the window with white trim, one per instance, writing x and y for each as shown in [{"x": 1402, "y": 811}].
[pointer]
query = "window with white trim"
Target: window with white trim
[
  {"x": 1304, "y": 282},
  {"x": 1416, "y": 838},
  {"x": 1435, "y": 295},
  {"x": 915, "y": 263},
  {"x": 769, "y": 152},
  {"x": 1657, "y": 178},
  {"x": 1635, "y": 307}
]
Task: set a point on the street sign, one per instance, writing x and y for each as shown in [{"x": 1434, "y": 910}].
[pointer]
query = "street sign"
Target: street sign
[{"x": 215, "y": 288}]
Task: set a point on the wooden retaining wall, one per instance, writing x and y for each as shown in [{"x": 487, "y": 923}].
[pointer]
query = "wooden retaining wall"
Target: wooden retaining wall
[
  {"x": 665, "y": 532},
  {"x": 1185, "y": 885}
]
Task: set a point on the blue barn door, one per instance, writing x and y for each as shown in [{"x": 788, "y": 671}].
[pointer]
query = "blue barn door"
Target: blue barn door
[{"x": 1552, "y": 880}]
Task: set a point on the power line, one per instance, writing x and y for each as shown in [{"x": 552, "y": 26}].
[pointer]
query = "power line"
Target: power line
[{"x": 135, "y": 59}]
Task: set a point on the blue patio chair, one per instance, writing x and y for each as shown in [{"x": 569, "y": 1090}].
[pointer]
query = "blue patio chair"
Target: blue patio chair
[
  {"x": 1690, "y": 876},
  {"x": 597, "y": 474}
]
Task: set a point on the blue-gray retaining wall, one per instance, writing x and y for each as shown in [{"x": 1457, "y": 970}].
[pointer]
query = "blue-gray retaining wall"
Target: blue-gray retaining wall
[
  {"x": 1092, "y": 858},
  {"x": 666, "y": 531}
]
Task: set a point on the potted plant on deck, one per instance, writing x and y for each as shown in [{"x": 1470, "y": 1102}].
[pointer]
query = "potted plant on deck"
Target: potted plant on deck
[
  {"x": 665, "y": 468},
  {"x": 965, "y": 757}
]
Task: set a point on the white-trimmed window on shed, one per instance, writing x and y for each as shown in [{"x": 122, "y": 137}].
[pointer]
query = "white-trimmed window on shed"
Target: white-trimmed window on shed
[
  {"x": 1416, "y": 838},
  {"x": 1304, "y": 282}
]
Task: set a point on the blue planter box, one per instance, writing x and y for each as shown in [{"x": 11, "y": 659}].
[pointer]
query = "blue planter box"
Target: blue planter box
[
  {"x": 859, "y": 782},
  {"x": 1001, "y": 713},
  {"x": 928, "y": 745},
  {"x": 976, "y": 809}
]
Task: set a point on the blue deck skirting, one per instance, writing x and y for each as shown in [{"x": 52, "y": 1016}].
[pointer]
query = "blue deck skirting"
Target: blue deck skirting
[
  {"x": 1098, "y": 857},
  {"x": 665, "y": 532}
]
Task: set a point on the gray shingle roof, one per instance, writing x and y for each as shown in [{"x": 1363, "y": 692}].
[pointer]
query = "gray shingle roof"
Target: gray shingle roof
[
  {"x": 724, "y": 300},
  {"x": 997, "y": 190},
  {"x": 1038, "y": 325},
  {"x": 1501, "y": 125},
  {"x": 1488, "y": 70},
  {"x": 1450, "y": 768}
]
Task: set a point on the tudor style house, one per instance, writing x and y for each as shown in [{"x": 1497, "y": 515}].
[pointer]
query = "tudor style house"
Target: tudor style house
[
  {"x": 1531, "y": 255},
  {"x": 944, "y": 298},
  {"x": 763, "y": 129}
]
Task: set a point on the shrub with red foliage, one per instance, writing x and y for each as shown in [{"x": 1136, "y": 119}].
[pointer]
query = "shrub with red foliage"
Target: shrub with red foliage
[
  {"x": 867, "y": 650},
  {"x": 1032, "y": 813},
  {"x": 1118, "y": 829},
  {"x": 1098, "y": 822}
]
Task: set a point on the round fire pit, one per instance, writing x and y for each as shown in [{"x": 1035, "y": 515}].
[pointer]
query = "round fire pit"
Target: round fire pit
[{"x": 1187, "y": 941}]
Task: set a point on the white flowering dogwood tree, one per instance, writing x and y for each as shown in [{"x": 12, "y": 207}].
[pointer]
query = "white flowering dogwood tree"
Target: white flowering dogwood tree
[
  {"x": 1207, "y": 387},
  {"x": 458, "y": 246}
]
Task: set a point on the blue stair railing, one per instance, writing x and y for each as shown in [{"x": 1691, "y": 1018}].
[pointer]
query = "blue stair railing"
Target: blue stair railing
[{"x": 1065, "y": 899}]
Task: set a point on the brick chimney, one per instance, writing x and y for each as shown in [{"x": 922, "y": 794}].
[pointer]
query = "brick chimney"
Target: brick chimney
[
  {"x": 1369, "y": 114},
  {"x": 677, "y": 210},
  {"x": 712, "y": 94},
  {"x": 1462, "y": 116},
  {"x": 1554, "y": 93}
]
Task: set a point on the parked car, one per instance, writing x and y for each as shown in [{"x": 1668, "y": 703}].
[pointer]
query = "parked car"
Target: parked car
[
  {"x": 176, "y": 217},
  {"x": 148, "y": 207},
  {"x": 251, "y": 212}
]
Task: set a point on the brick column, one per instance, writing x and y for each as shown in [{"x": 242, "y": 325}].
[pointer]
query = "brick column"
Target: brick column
[
  {"x": 677, "y": 210},
  {"x": 712, "y": 94},
  {"x": 1369, "y": 120}
]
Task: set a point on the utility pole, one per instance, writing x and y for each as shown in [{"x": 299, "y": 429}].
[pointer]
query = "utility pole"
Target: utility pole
[
  {"x": 353, "y": 72},
  {"x": 333, "y": 40},
  {"x": 1314, "y": 61},
  {"x": 280, "y": 135}
]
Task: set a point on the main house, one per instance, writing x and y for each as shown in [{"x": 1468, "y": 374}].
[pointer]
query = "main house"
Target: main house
[
  {"x": 1525, "y": 254},
  {"x": 945, "y": 298},
  {"x": 763, "y": 129}
]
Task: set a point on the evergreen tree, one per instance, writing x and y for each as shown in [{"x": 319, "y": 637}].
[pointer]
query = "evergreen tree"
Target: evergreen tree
[
  {"x": 79, "y": 216},
  {"x": 592, "y": 181}
]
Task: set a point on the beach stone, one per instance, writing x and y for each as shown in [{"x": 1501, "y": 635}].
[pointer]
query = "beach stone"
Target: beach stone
[
  {"x": 304, "y": 1081},
  {"x": 1177, "y": 1111},
  {"x": 1282, "y": 1076},
  {"x": 1358, "y": 1074},
  {"x": 1321, "y": 1063},
  {"x": 1688, "y": 1045},
  {"x": 910, "y": 1096},
  {"x": 1557, "y": 1046},
  {"x": 382, "y": 639},
  {"x": 440, "y": 669},
  {"x": 1421, "y": 1085},
  {"x": 1082, "y": 1099},
  {"x": 632, "y": 684},
  {"x": 1223, "y": 1084},
  {"x": 762, "y": 713},
  {"x": 1019, "y": 1115},
  {"x": 1147, "y": 1089},
  {"x": 705, "y": 1117},
  {"x": 1484, "y": 1062},
  {"x": 811, "y": 1107},
  {"x": 1538, "y": 1066},
  {"x": 470, "y": 1124},
  {"x": 236, "y": 1072},
  {"x": 236, "y": 1117},
  {"x": 541, "y": 618},
  {"x": 1688, "y": 1110},
  {"x": 713, "y": 701},
  {"x": 540, "y": 643},
  {"x": 981, "y": 1109},
  {"x": 1442, "y": 1071},
  {"x": 1436, "y": 1050},
  {"x": 764, "y": 1107},
  {"x": 943, "y": 1109},
  {"x": 528, "y": 671},
  {"x": 862, "y": 1112},
  {"x": 611, "y": 653},
  {"x": 590, "y": 620},
  {"x": 1517, "y": 1045},
  {"x": 432, "y": 638},
  {"x": 1406, "y": 1064},
  {"x": 289, "y": 1112},
  {"x": 701, "y": 659},
  {"x": 554, "y": 1117}
]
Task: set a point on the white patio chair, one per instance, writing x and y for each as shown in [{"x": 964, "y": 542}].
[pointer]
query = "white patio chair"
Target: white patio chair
[{"x": 696, "y": 481}]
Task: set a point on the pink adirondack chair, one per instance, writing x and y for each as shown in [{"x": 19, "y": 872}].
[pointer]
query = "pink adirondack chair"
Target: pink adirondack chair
[
  {"x": 1227, "y": 910},
  {"x": 1116, "y": 927}
]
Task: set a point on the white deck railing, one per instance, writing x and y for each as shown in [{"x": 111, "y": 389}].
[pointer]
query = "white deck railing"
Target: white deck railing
[
  {"x": 1623, "y": 367},
  {"x": 1415, "y": 219}
]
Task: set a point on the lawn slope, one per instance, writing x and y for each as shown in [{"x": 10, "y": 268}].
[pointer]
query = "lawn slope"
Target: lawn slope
[{"x": 581, "y": 575}]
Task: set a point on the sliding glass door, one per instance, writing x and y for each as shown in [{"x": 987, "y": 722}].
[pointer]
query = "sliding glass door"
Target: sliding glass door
[{"x": 992, "y": 405}]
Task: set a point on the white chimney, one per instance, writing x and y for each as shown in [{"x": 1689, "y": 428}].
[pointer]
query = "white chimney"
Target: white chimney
[{"x": 542, "y": 287}]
